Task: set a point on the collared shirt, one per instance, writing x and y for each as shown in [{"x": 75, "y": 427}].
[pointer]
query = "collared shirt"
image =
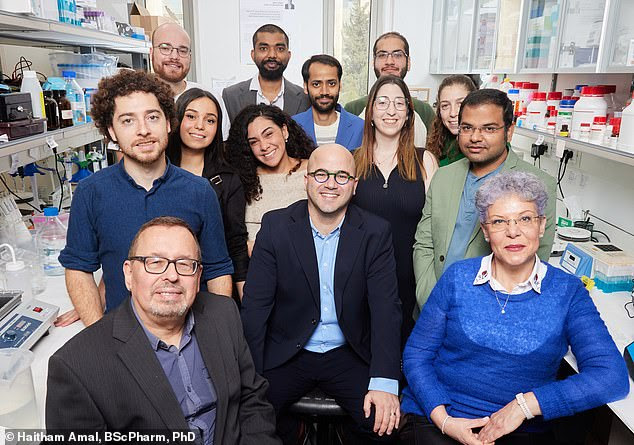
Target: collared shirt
[
  {"x": 534, "y": 280},
  {"x": 467, "y": 217},
  {"x": 261, "y": 98},
  {"x": 188, "y": 376},
  {"x": 328, "y": 335},
  {"x": 109, "y": 207}
]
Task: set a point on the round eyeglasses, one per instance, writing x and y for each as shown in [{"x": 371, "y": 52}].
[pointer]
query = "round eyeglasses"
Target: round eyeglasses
[
  {"x": 523, "y": 222},
  {"x": 166, "y": 49},
  {"x": 158, "y": 265},
  {"x": 397, "y": 55},
  {"x": 383, "y": 103},
  {"x": 341, "y": 177}
]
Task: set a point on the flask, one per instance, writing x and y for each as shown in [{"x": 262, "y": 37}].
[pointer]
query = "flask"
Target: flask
[
  {"x": 591, "y": 105},
  {"x": 75, "y": 96},
  {"x": 18, "y": 276},
  {"x": 31, "y": 85},
  {"x": 65, "y": 111},
  {"x": 52, "y": 111},
  {"x": 51, "y": 241}
]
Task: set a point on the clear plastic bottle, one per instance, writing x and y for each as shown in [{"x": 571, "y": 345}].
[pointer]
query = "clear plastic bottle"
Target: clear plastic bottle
[
  {"x": 31, "y": 85},
  {"x": 75, "y": 96},
  {"x": 51, "y": 241},
  {"x": 18, "y": 275}
]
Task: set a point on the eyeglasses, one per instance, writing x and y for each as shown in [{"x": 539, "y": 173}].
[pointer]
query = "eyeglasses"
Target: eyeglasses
[
  {"x": 630, "y": 303},
  {"x": 523, "y": 222},
  {"x": 157, "y": 265},
  {"x": 397, "y": 55},
  {"x": 166, "y": 49},
  {"x": 341, "y": 177},
  {"x": 383, "y": 103},
  {"x": 487, "y": 130}
]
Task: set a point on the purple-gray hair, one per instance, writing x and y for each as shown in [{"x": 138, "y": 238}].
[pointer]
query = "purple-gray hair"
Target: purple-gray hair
[{"x": 525, "y": 185}]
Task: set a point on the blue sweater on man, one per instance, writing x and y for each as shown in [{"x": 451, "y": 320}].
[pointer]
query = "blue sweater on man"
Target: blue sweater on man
[{"x": 465, "y": 354}]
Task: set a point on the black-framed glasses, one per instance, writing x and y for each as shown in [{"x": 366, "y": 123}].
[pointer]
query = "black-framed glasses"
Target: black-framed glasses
[
  {"x": 397, "y": 55},
  {"x": 166, "y": 49},
  {"x": 630, "y": 313},
  {"x": 157, "y": 265},
  {"x": 341, "y": 177},
  {"x": 383, "y": 103},
  {"x": 523, "y": 222},
  {"x": 487, "y": 130}
]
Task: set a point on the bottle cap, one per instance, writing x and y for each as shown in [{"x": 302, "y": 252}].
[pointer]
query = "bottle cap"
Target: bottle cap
[
  {"x": 514, "y": 91},
  {"x": 51, "y": 211},
  {"x": 15, "y": 266},
  {"x": 554, "y": 95},
  {"x": 70, "y": 74},
  {"x": 564, "y": 127},
  {"x": 600, "y": 120},
  {"x": 567, "y": 103},
  {"x": 609, "y": 89},
  {"x": 539, "y": 96},
  {"x": 585, "y": 124},
  {"x": 592, "y": 91},
  {"x": 531, "y": 86}
]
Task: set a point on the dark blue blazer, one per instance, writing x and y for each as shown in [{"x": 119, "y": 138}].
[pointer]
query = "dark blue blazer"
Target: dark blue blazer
[
  {"x": 281, "y": 305},
  {"x": 349, "y": 133}
]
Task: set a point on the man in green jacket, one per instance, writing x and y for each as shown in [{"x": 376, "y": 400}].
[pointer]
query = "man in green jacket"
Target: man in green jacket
[
  {"x": 449, "y": 230},
  {"x": 391, "y": 56}
]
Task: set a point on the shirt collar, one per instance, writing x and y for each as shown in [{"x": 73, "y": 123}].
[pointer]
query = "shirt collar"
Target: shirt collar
[
  {"x": 255, "y": 86},
  {"x": 164, "y": 177},
  {"x": 534, "y": 281},
  {"x": 156, "y": 342},
  {"x": 334, "y": 232}
]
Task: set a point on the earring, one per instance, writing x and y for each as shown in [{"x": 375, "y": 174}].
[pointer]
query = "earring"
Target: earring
[{"x": 286, "y": 140}]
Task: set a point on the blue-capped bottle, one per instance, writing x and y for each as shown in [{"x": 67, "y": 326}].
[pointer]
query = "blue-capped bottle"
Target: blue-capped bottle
[{"x": 75, "y": 96}]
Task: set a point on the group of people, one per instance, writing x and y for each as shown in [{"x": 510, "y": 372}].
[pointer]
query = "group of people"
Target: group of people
[{"x": 332, "y": 232}]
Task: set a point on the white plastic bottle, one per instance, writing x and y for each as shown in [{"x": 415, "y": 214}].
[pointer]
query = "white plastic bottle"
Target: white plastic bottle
[
  {"x": 506, "y": 85},
  {"x": 75, "y": 96},
  {"x": 598, "y": 129},
  {"x": 626, "y": 135},
  {"x": 51, "y": 241},
  {"x": 31, "y": 85},
  {"x": 591, "y": 105},
  {"x": 536, "y": 111},
  {"x": 18, "y": 275}
]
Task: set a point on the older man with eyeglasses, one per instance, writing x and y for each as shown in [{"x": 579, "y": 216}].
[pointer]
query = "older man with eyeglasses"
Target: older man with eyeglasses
[
  {"x": 321, "y": 306},
  {"x": 448, "y": 230},
  {"x": 169, "y": 359},
  {"x": 171, "y": 55}
]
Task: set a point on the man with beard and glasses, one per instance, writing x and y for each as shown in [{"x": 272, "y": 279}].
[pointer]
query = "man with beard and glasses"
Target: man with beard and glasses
[
  {"x": 449, "y": 230},
  {"x": 168, "y": 359},
  {"x": 171, "y": 57},
  {"x": 326, "y": 121},
  {"x": 391, "y": 56},
  {"x": 270, "y": 54},
  {"x": 135, "y": 110}
]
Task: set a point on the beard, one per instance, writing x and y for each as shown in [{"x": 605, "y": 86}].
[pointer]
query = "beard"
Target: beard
[
  {"x": 324, "y": 108},
  {"x": 145, "y": 158},
  {"x": 166, "y": 310},
  {"x": 269, "y": 74}
]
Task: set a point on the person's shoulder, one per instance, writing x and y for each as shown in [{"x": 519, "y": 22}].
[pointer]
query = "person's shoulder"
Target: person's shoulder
[
  {"x": 217, "y": 306},
  {"x": 524, "y": 166},
  {"x": 356, "y": 105},
  {"x": 195, "y": 180},
  {"x": 292, "y": 87},
  {"x": 237, "y": 87},
  {"x": 90, "y": 344},
  {"x": 449, "y": 172},
  {"x": 294, "y": 210},
  {"x": 95, "y": 182},
  {"x": 368, "y": 220},
  {"x": 350, "y": 117},
  {"x": 304, "y": 116},
  {"x": 467, "y": 267}
]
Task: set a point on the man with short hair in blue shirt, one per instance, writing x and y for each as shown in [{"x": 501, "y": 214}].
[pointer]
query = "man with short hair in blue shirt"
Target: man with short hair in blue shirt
[
  {"x": 321, "y": 306},
  {"x": 135, "y": 109}
]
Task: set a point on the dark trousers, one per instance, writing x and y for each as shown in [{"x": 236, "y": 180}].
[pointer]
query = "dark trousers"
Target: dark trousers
[
  {"x": 417, "y": 430},
  {"x": 339, "y": 373}
]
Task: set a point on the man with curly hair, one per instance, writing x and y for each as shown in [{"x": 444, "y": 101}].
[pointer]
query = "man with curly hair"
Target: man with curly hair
[{"x": 135, "y": 110}]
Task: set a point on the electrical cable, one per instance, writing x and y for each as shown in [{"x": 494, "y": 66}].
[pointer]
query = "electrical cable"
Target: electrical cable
[
  {"x": 18, "y": 196},
  {"x": 602, "y": 233}
]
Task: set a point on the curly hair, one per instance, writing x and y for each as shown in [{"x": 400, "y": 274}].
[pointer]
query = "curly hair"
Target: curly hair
[
  {"x": 215, "y": 150},
  {"x": 238, "y": 152},
  {"x": 125, "y": 83},
  {"x": 439, "y": 134}
]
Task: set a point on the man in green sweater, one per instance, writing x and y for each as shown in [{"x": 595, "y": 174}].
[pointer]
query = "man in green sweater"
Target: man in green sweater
[{"x": 391, "y": 56}]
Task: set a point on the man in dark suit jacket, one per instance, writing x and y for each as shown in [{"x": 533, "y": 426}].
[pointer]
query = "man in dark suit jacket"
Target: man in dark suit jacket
[
  {"x": 321, "y": 306},
  {"x": 270, "y": 54},
  {"x": 167, "y": 359}
]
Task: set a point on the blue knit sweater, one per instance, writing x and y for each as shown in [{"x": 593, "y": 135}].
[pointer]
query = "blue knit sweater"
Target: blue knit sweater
[{"x": 465, "y": 354}]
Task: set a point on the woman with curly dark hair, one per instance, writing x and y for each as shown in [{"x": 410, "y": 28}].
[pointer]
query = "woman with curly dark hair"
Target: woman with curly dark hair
[
  {"x": 270, "y": 152},
  {"x": 444, "y": 129},
  {"x": 196, "y": 145}
]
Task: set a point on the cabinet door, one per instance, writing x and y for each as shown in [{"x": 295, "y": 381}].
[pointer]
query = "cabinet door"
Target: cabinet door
[
  {"x": 621, "y": 36},
  {"x": 542, "y": 29},
  {"x": 484, "y": 38},
  {"x": 456, "y": 35},
  {"x": 581, "y": 36},
  {"x": 507, "y": 35},
  {"x": 436, "y": 40}
]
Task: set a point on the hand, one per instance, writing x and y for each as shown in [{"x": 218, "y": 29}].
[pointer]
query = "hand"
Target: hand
[
  {"x": 387, "y": 411},
  {"x": 66, "y": 319},
  {"x": 502, "y": 422},
  {"x": 461, "y": 429}
]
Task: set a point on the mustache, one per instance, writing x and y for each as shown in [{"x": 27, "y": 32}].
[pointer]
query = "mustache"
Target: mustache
[
  {"x": 325, "y": 96},
  {"x": 277, "y": 62}
]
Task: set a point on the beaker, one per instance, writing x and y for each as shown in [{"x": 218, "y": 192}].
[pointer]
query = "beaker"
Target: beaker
[{"x": 17, "y": 404}]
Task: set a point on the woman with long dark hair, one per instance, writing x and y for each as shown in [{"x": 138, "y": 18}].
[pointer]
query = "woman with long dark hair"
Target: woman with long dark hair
[
  {"x": 270, "y": 152},
  {"x": 196, "y": 146},
  {"x": 444, "y": 130},
  {"x": 393, "y": 176}
]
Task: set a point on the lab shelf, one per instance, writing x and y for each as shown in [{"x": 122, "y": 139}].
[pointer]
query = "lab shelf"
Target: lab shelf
[
  {"x": 49, "y": 32},
  {"x": 583, "y": 147},
  {"x": 35, "y": 148}
]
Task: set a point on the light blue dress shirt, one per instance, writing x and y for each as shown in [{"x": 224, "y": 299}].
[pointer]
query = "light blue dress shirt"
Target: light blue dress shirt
[
  {"x": 467, "y": 217},
  {"x": 328, "y": 335}
]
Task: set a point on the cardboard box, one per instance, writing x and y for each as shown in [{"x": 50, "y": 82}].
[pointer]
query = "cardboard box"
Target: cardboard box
[{"x": 139, "y": 16}]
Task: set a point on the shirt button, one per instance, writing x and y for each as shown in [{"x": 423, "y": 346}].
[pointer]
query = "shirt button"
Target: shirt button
[
  {"x": 298, "y": 346},
  {"x": 324, "y": 287},
  {"x": 325, "y": 309},
  {"x": 189, "y": 389},
  {"x": 442, "y": 258},
  {"x": 313, "y": 321}
]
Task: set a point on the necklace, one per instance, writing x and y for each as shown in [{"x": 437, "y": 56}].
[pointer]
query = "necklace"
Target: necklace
[{"x": 502, "y": 308}]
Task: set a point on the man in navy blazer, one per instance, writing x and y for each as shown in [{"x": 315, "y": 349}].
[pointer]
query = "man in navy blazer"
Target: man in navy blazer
[
  {"x": 321, "y": 306},
  {"x": 326, "y": 121}
]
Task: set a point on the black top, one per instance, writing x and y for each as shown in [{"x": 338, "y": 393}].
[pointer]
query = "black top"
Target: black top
[
  {"x": 226, "y": 183},
  {"x": 401, "y": 204}
]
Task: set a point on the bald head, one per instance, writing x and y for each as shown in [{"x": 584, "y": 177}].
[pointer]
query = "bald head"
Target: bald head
[
  {"x": 332, "y": 154},
  {"x": 168, "y": 30}
]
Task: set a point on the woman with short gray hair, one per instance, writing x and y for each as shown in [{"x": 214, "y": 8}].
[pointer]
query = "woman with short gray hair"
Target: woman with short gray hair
[{"x": 486, "y": 348}]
